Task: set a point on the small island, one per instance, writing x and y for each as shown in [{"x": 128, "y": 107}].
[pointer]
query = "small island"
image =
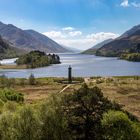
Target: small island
[
  {"x": 36, "y": 59},
  {"x": 33, "y": 59}
]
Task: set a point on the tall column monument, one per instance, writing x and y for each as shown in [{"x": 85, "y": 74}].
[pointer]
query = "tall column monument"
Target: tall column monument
[{"x": 70, "y": 74}]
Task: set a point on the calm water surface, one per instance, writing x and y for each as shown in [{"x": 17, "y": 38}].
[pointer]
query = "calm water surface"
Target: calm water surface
[{"x": 83, "y": 66}]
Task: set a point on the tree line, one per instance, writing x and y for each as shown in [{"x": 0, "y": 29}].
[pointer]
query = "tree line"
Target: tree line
[
  {"x": 37, "y": 58},
  {"x": 131, "y": 57}
]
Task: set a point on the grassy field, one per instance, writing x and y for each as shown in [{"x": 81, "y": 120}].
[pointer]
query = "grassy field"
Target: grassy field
[
  {"x": 123, "y": 90},
  {"x": 39, "y": 91}
]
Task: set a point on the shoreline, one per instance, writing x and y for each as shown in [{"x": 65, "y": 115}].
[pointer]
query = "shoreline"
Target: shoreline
[
  {"x": 78, "y": 77},
  {"x": 13, "y": 67}
]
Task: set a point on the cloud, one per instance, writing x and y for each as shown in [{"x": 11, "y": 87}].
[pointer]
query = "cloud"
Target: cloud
[
  {"x": 77, "y": 39},
  {"x": 75, "y": 33},
  {"x": 79, "y": 43},
  {"x": 54, "y": 34},
  {"x": 102, "y": 36},
  {"x": 68, "y": 29},
  {"x": 125, "y": 3},
  {"x": 137, "y": 5}
]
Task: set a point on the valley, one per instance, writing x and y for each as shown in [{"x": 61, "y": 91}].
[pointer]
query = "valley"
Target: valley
[{"x": 69, "y": 69}]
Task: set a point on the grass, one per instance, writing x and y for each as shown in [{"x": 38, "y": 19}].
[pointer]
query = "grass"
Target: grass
[
  {"x": 123, "y": 90},
  {"x": 13, "y": 66},
  {"x": 39, "y": 91}
]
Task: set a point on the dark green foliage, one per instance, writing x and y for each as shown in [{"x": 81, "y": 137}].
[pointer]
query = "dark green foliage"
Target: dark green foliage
[
  {"x": 36, "y": 59},
  {"x": 83, "y": 115},
  {"x": 131, "y": 57},
  {"x": 11, "y": 95},
  {"x": 54, "y": 123},
  {"x": 84, "y": 111},
  {"x": 117, "y": 126}
]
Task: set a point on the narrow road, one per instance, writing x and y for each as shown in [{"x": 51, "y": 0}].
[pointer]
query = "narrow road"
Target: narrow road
[
  {"x": 86, "y": 80},
  {"x": 64, "y": 88}
]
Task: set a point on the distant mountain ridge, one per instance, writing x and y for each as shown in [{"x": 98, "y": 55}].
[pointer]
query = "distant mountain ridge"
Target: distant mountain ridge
[
  {"x": 29, "y": 39},
  {"x": 97, "y": 46},
  {"x": 131, "y": 31},
  {"x": 129, "y": 42}
]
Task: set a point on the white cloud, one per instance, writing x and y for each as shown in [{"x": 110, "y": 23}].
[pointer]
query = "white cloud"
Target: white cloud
[
  {"x": 77, "y": 39},
  {"x": 137, "y": 5},
  {"x": 102, "y": 36},
  {"x": 125, "y": 3},
  {"x": 68, "y": 29},
  {"x": 54, "y": 34},
  {"x": 79, "y": 43},
  {"x": 75, "y": 33}
]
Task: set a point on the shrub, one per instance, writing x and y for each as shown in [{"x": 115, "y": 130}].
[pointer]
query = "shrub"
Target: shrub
[
  {"x": 32, "y": 80},
  {"x": 11, "y": 95},
  {"x": 6, "y": 126},
  {"x": 26, "y": 125},
  {"x": 22, "y": 82},
  {"x": 84, "y": 111},
  {"x": 10, "y": 106},
  {"x": 118, "y": 126},
  {"x": 54, "y": 124}
]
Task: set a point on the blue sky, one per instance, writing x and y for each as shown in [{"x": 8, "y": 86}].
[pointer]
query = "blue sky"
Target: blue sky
[{"x": 74, "y": 23}]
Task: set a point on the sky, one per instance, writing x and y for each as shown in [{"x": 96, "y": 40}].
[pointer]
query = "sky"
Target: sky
[{"x": 74, "y": 23}]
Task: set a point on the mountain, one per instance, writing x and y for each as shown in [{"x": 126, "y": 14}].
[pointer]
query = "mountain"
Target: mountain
[
  {"x": 49, "y": 43},
  {"x": 29, "y": 39},
  {"x": 131, "y": 31},
  {"x": 129, "y": 42},
  {"x": 7, "y": 50},
  {"x": 99, "y": 45}
]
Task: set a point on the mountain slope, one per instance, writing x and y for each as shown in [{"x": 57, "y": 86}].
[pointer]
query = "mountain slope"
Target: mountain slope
[
  {"x": 94, "y": 48},
  {"x": 29, "y": 39},
  {"x": 44, "y": 40},
  {"x": 127, "y": 43},
  {"x": 7, "y": 50},
  {"x": 131, "y": 31}
]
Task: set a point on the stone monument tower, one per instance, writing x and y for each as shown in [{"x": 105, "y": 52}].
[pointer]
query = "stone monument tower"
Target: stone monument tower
[{"x": 70, "y": 74}]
